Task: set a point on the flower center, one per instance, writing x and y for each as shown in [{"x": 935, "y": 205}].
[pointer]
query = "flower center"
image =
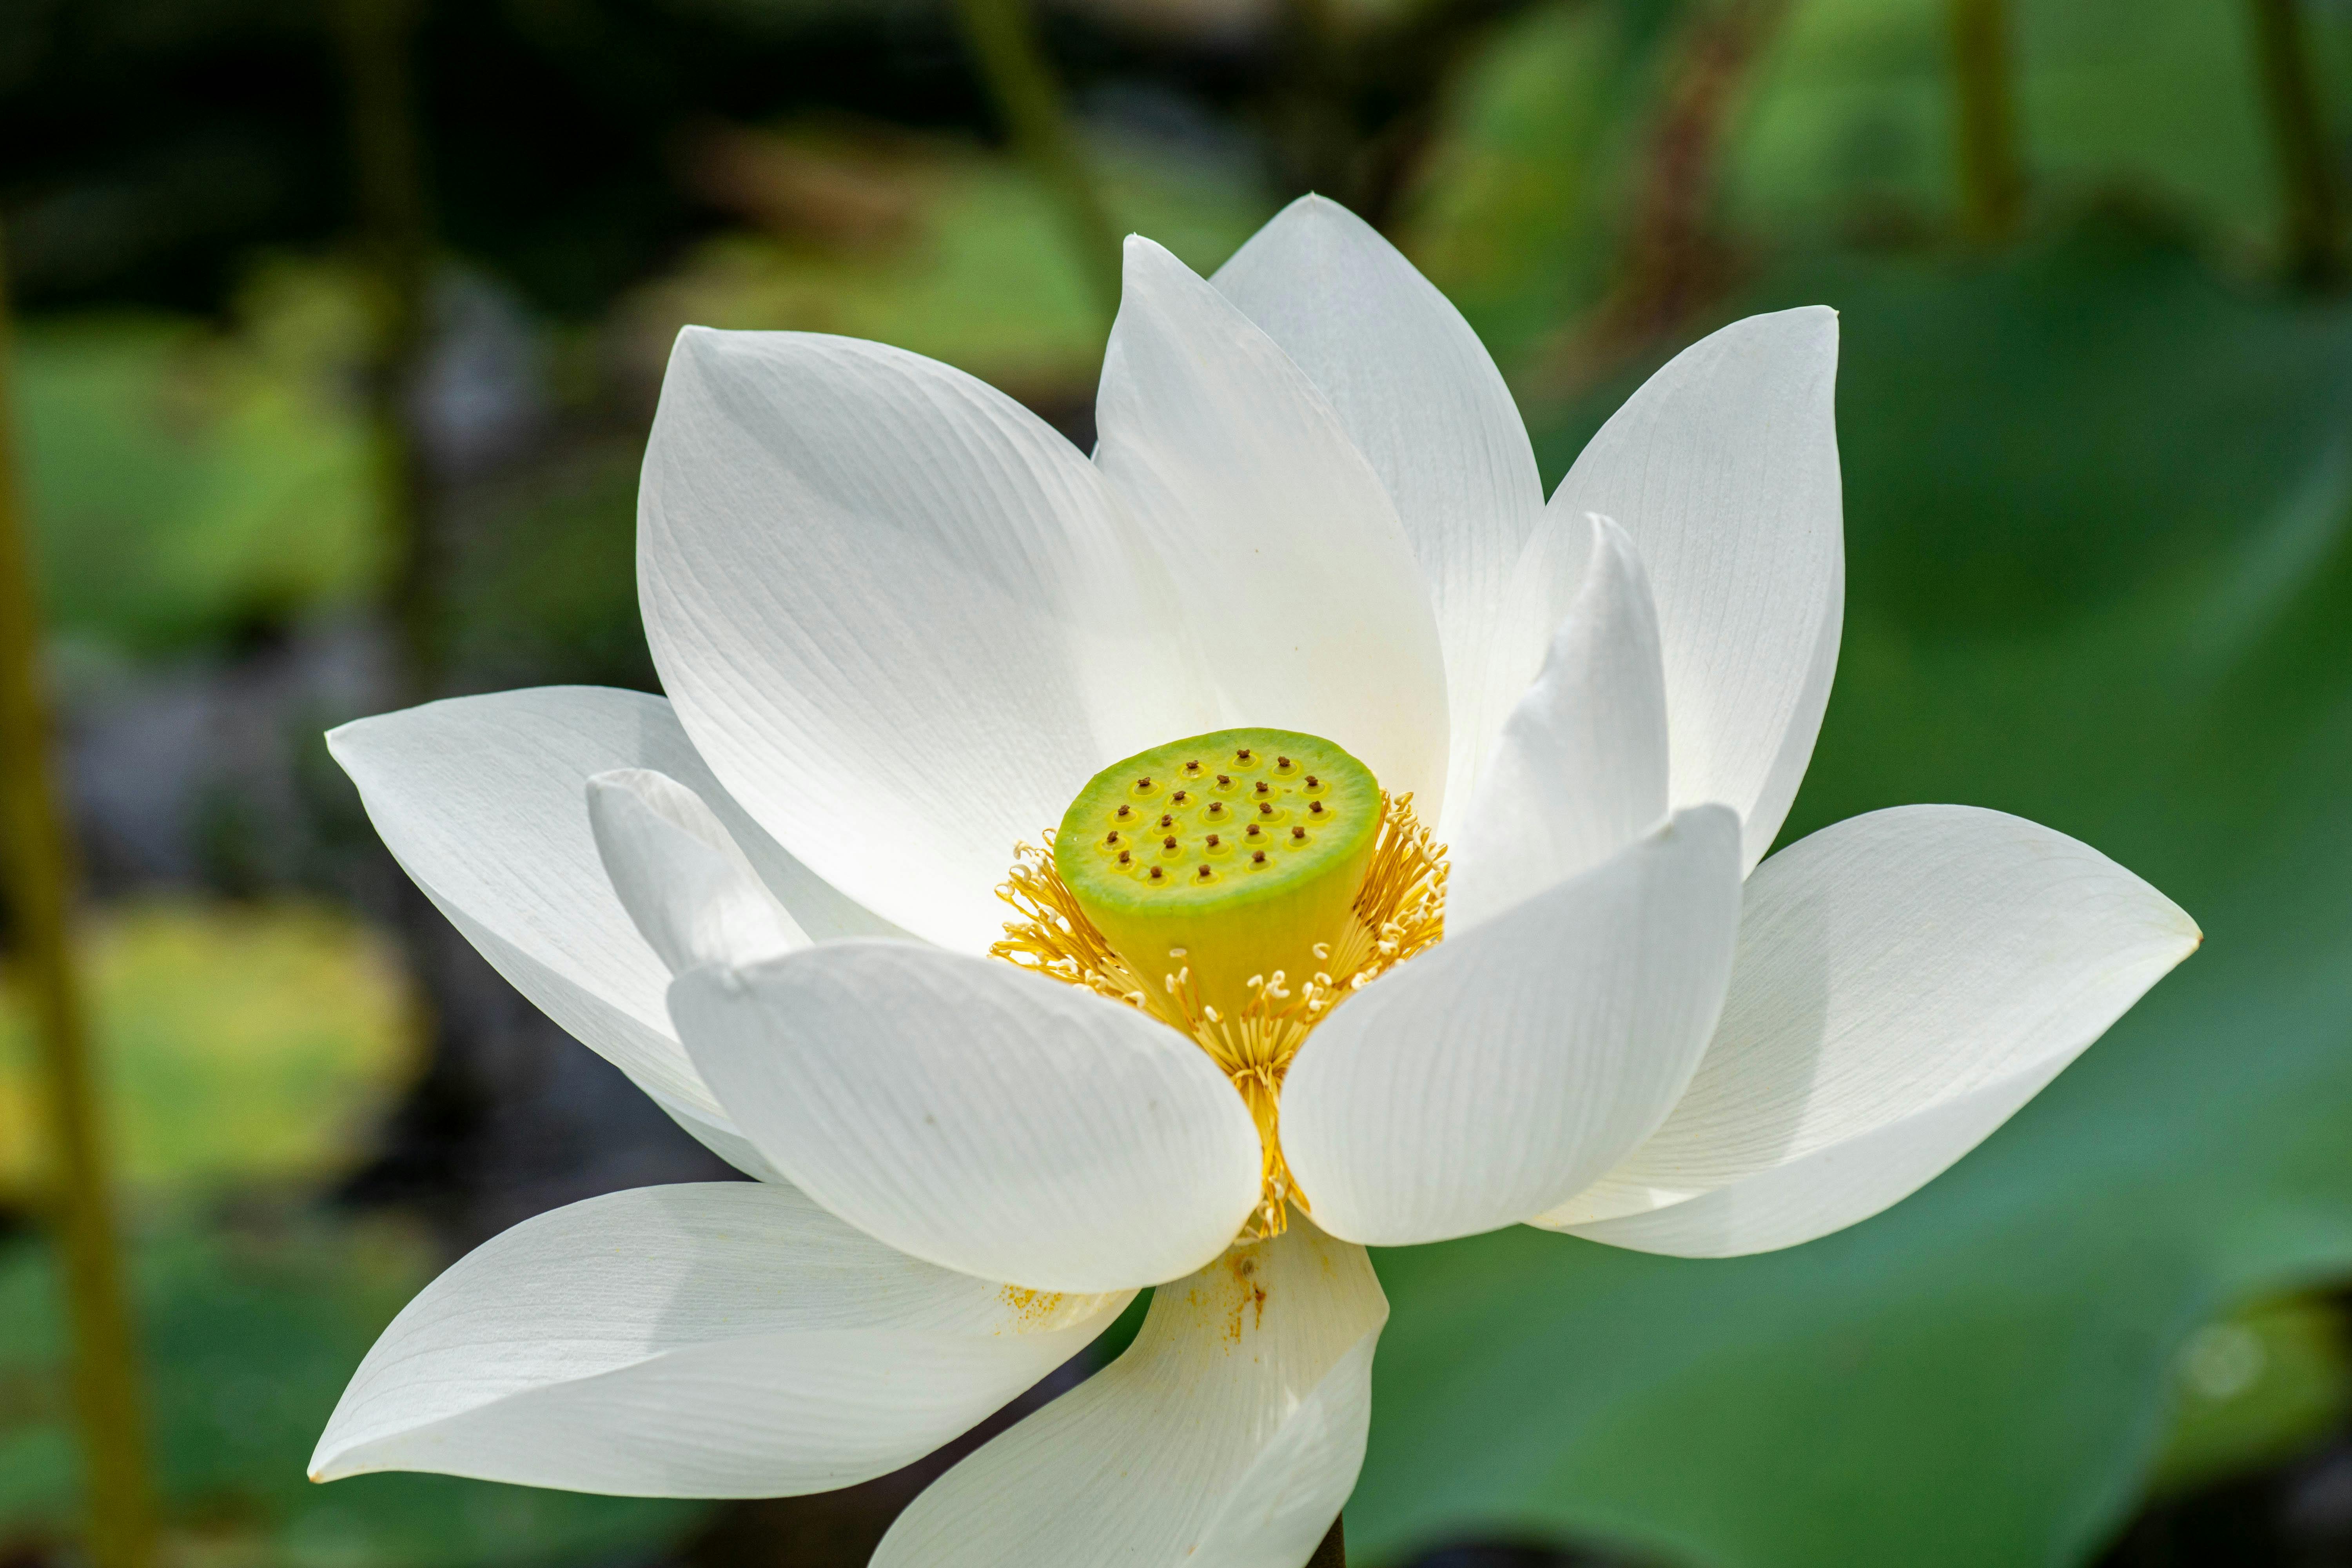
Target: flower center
[{"x": 1236, "y": 886}]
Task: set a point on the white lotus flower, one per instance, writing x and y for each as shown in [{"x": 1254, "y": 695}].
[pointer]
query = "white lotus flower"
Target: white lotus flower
[{"x": 903, "y": 624}]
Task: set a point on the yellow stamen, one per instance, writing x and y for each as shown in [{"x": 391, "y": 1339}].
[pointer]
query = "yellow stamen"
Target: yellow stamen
[{"x": 1398, "y": 910}]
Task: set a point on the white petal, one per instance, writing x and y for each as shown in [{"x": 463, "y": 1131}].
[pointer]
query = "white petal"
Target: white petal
[
  {"x": 1420, "y": 396},
  {"x": 1227, "y": 1436},
  {"x": 1723, "y": 470},
  {"x": 1579, "y": 771},
  {"x": 983, "y": 1118},
  {"x": 901, "y": 616},
  {"x": 1299, "y": 590},
  {"x": 1492, "y": 1077},
  {"x": 682, "y": 876},
  {"x": 480, "y": 799},
  {"x": 711, "y": 1340},
  {"x": 1906, "y": 980}
]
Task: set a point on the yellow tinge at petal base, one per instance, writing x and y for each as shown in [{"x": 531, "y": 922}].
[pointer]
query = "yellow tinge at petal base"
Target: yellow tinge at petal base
[{"x": 1237, "y": 885}]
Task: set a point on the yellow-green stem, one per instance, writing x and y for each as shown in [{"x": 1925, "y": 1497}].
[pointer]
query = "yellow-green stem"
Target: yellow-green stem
[
  {"x": 396, "y": 233},
  {"x": 1992, "y": 182},
  {"x": 39, "y": 858},
  {"x": 1003, "y": 37},
  {"x": 2312, "y": 236}
]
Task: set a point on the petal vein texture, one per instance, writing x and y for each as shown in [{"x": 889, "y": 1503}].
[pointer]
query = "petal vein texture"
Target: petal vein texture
[
  {"x": 1299, "y": 591},
  {"x": 1580, "y": 770},
  {"x": 680, "y": 874},
  {"x": 707, "y": 1340},
  {"x": 481, "y": 801},
  {"x": 985, "y": 1119},
  {"x": 1227, "y": 1436},
  {"x": 1419, "y": 396},
  {"x": 1907, "y": 979},
  {"x": 1723, "y": 470},
  {"x": 902, "y": 617},
  {"x": 1495, "y": 1075}
]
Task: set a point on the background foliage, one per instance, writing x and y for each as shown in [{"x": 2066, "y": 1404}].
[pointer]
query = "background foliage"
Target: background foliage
[{"x": 2099, "y": 520}]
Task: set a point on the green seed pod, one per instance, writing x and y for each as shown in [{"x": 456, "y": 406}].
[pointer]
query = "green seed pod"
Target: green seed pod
[{"x": 1231, "y": 855}]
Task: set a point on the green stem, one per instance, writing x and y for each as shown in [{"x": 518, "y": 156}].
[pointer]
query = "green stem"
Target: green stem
[
  {"x": 40, "y": 892},
  {"x": 2312, "y": 237},
  {"x": 1003, "y": 37},
  {"x": 389, "y": 166},
  {"x": 1992, "y": 182},
  {"x": 1333, "y": 1552}
]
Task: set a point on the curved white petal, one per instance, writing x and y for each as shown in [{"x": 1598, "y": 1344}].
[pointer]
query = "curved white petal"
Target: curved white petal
[
  {"x": 983, "y": 1118},
  {"x": 1723, "y": 470},
  {"x": 1227, "y": 1436},
  {"x": 1906, "y": 980},
  {"x": 682, "y": 876},
  {"x": 901, "y": 616},
  {"x": 1580, "y": 770},
  {"x": 480, "y": 799},
  {"x": 1420, "y": 396},
  {"x": 1492, "y": 1077},
  {"x": 711, "y": 1339},
  {"x": 1299, "y": 591}
]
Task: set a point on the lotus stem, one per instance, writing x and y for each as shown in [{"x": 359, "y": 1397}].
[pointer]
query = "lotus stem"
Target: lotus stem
[
  {"x": 2312, "y": 227},
  {"x": 39, "y": 862},
  {"x": 1003, "y": 38},
  {"x": 1992, "y": 181},
  {"x": 396, "y": 236},
  {"x": 1333, "y": 1552}
]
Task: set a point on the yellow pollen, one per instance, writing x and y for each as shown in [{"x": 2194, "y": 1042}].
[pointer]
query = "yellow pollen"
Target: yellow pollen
[{"x": 1398, "y": 910}]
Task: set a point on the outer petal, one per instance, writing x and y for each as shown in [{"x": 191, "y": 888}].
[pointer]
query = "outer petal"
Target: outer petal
[
  {"x": 1724, "y": 469},
  {"x": 1906, "y": 980},
  {"x": 1227, "y": 1436},
  {"x": 713, "y": 1340},
  {"x": 1579, "y": 771},
  {"x": 480, "y": 800},
  {"x": 682, "y": 876},
  {"x": 978, "y": 1117},
  {"x": 900, "y": 616},
  {"x": 1488, "y": 1080},
  {"x": 1298, "y": 587},
  {"x": 1420, "y": 396}
]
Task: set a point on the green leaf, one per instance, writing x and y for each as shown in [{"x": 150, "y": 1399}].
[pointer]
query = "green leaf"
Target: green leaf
[
  {"x": 186, "y": 483},
  {"x": 1852, "y": 118},
  {"x": 2100, "y": 515},
  {"x": 241, "y": 1044}
]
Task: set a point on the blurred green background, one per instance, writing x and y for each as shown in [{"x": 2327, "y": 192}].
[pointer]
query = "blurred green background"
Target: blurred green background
[{"x": 2096, "y": 416}]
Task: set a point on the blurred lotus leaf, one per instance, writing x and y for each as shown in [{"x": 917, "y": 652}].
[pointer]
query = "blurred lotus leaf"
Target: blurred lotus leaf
[
  {"x": 2099, "y": 515},
  {"x": 1853, "y": 117},
  {"x": 251, "y": 1334},
  {"x": 241, "y": 1044},
  {"x": 929, "y": 244},
  {"x": 187, "y": 483},
  {"x": 2254, "y": 1388}
]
